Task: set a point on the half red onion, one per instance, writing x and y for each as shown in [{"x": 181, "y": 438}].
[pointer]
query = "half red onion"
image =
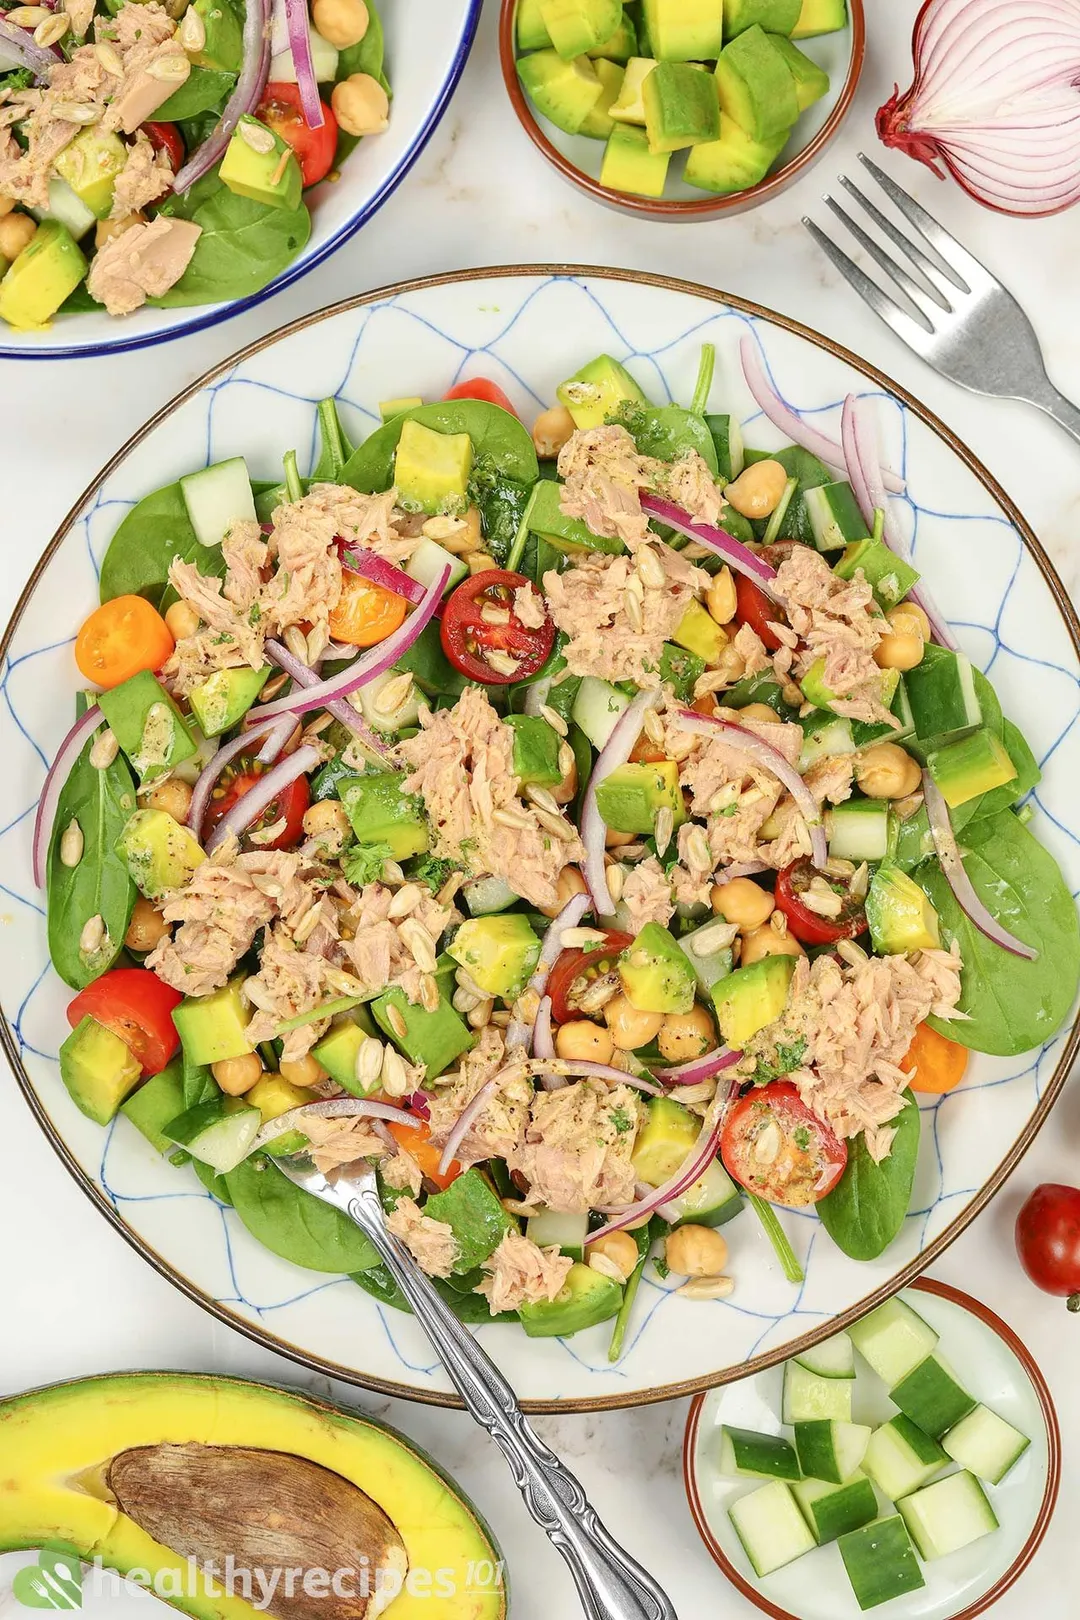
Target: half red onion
[
  {"x": 724, "y": 545},
  {"x": 250, "y": 806},
  {"x": 342, "y": 711},
  {"x": 333, "y": 1108},
  {"x": 19, "y": 49},
  {"x": 692, "y": 1169},
  {"x": 244, "y": 99},
  {"x": 381, "y": 572},
  {"x": 465, "y": 1121},
  {"x": 296, "y": 17},
  {"x": 961, "y": 885},
  {"x": 615, "y": 752},
  {"x": 698, "y": 1069},
  {"x": 58, "y": 773}
]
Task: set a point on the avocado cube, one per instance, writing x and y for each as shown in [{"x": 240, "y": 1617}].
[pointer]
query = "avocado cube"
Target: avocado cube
[
  {"x": 259, "y": 164},
  {"x": 599, "y": 388},
  {"x": 900, "y": 915},
  {"x": 576, "y": 26},
  {"x": 631, "y": 798},
  {"x": 665, "y": 1141},
  {"x": 38, "y": 280},
  {"x": 733, "y": 163},
  {"x": 479, "y": 1223},
  {"x": 340, "y": 1048},
  {"x": 564, "y": 92},
  {"x": 599, "y": 123},
  {"x": 630, "y": 166},
  {"x": 389, "y": 408},
  {"x": 889, "y": 576},
  {"x": 820, "y": 17},
  {"x": 223, "y": 47},
  {"x": 681, "y": 107},
  {"x": 965, "y": 769},
  {"x": 431, "y": 469},
  {"x": 698, "y": 631},
  {"x": 620, "y": 46},
  {"x": 775, "y": 16},
  {"x": 751, "y": 998},
  {"x": 98, "y": 1069},
  {"x": 435, "y": 1039},
  {"x": 629, "y": 105},
  {"x": 536, "y": 750},
  {"x": 655, "y": 974},
  {"x": 757, "y": 88},
  {"x": 498, "y": 952},
  {"x": 530, "y": 28},
  {"x": 223, "y": 699},
  {"x": 273, "y": 1096},
  {"x": 155, "y": 1104},
  {"x": 158, "y": 852},
  {"x": 585, "y": 1299},
  {"x": 148, "y": 726},
  {"x": 685, "y": 30},
  {"x": 90, "y": 165},
  {"x": 811, "y": 81},
  {"x": 213, "y": 1028},
  {"x": 380, "y": 813}
]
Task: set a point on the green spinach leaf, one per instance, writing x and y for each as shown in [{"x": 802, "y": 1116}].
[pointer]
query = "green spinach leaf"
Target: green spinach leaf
[
  {"x": 212, "y": 1181},
  {"x": 244, "y": 244},
  {"x": 865, "y": 1211},
  {"x": 153, "y": 533},
  {"x": 377, "y": 1281},
  {"x": 497, "y": 436},
  {"x": 291, "y": 1223},
  {"x": 501, "y": 502},
  {"x": 204, "y": 90},
  {"x": 667, "y": 432}
]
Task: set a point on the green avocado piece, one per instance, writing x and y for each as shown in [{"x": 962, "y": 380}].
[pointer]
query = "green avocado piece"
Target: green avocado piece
[
  {"x": 389, "y": 408},
  {"x": 148, "y": 726},
  {"x": 563, "y": 92},
  {"x": 545, "y": 516},
  {"x": 536, "y": 750},
  {"x": 213, "y": 1028},
  {"x": 630, "y": 166},
  {"x": 472, "y": 1210},
  {"x": 698, "y": 631},
  {"x": 158, "y": 852},
  {"x": 655, "y": 973},
  {"x": 599, "y": 123},
  {"x": 889, "y": 576},
  {"x": 631, "y": 798},
  {"x": 156, "y": 1103},
  {"x": 432, "y": 469},
  {"x": 965, "y": 769},
  {"x": 340, "y": 1047},
  {"x": 665, "y": 1141},
  {"x": 757, "y": 88},
  {"x": 751, "y": 998},
  {"x": 820, "y": 17},
  {"x": 685, "y": 30},
  {"x": 530, "y": 28},
  {"x": 629, "y": 105},
  {"x": 576, "y": 26},
  {"x": 498, "y": 952},
  {"x": 223, "y": 48},
  {"x": 733, "y": 163},
  {"x": 224, "y": 698},
  {"x": 38, "y": 279},
  {"x": 900, "y": 915},
  {"x": 380, "y": 813},
  {"x": 270, "y": 176},
  {"x": 811, "y": 81},
  {"x": 90, "y": 165},
  {"x": 585, "y": 1299},
  {"x": 681, "y": 106},
  {"x": 597, "y": 390},
  {"x": 98, "y": 1069},
  {"x": 435, "y": 1039},
  {"x": 775, "y": 16},
  {"x": 621, "y": 45}
]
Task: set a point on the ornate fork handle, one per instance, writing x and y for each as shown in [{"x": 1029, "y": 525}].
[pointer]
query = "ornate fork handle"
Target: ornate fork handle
[{"x": 611, "y": 1585}]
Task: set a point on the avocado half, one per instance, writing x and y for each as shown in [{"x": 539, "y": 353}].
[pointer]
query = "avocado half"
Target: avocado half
[{"x": 151, "y": 1471}]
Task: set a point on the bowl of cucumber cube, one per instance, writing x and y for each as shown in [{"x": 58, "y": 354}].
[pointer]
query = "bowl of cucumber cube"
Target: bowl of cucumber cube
[
  {"x": 681, "y": 109},
  {"x": 909, "y": 1466}
]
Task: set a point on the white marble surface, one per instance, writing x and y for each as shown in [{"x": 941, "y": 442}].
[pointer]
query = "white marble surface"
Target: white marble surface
[{"x": 73, "y": 1298}]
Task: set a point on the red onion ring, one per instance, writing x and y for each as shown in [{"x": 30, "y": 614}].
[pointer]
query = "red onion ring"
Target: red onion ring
[
  {"x": 569, "y": 917},
  {"x": 697, "y": 1069},
  {"x": 465, "y": 1121},
  {"x": 213, "y": 768},
  {"x": 244, "y": 99},
  {"x": 27, "y": 53},
  {"x": 543, "y": 1044},
  {"x": 961, "y": 885},
  {"x": 55, "y": 778},
  {"x": 333, "y": 1108},
  {"x": 250, "y": 806},
  {"x": 692, "y": 1169},
  {"x": 615, "y": 752},
  {"x": 296, "y": 17},
  {"x": 304, "y": 676},
  {"x": 276, "y": 738},
  {"x": 381, "y": 572},
  {"x": 718, "y": 541}
]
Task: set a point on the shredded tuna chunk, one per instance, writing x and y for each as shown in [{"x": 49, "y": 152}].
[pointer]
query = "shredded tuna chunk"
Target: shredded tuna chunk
[
  {"x": 500, "y": 1127},
  {"x": 732, "y": 793},
  {"x": 219, "y": 913},
  {"x": 402, "y": 1173},
  {"x": 143, "y": 262},
  {"x": 690, "y": 484},
  {"x": 290, "y": 981},
  {"x": 155, "y": 63},
  {"x": 246, "y": 554},
  {"x": 838, "y": 624},
  {"x": 462, "y": 765},
  {"x": 384, "y": 950},
  {"x": 146, "y": 176},
  {"x": 521, "y": 1273},
  {"x": 529, "y": 607},
  {"x": 335, "y": 1142},
  {"x": 602, "y": 474},
  {"x": 830, "y": 779},
  {"x": 647, "y": 895},
  {"x": 577, "y": 1147},
  {"x": 431, "y": 1243}
]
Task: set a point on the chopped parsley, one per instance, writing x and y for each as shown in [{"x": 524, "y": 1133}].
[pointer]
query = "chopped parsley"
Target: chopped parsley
[
  {"x": 363, "y": 863},
  {"x": 621, "y": 1121},
  {"x": 434, "y": 870},
  {"x": 787, "y": 1057},
  {"x": 801, "y": 1137}
]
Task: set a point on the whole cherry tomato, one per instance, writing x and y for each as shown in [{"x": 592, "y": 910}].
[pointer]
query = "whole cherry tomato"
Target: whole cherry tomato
[{"x": 1048, "y": 1240}]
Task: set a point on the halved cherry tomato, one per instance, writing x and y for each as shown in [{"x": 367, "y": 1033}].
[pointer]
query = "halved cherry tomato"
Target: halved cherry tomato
[
  {"x": 575, "y": 970},
  {"x": 136, "y": 1005},
  {"x": 419, "y": 1146},
  {"x": 935, "y": 1063},
  {"x": 774, "y": 1146},
  {"x": 291, "y": 803},
  {"x": 119, "y": 639},
  {"x": 807, "y": 925},
  {"x": 314, "y": 149},
  {"x": 365, "y": 613},
  {"x": 468, "y": 637},
  {"x": 480, "y": 388},
  {"x": 754, "y": 608},
  {"x": 167, "y": 138}
]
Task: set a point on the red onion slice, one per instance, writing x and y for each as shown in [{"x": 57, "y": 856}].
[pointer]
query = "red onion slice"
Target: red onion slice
[
  {"x": 58, "y": 773},
  {"x": 698, "y": 1069},
  {"x": 217, "y": 762},
  {"x": 276, "y": 738},
  {"x": 381, "y": 572},
  {"x": 465, "y": 1121},
  {"x": 569, "y": 917},
  {"x": 961, "y": 885},
  {"x": 543, "y": 1045},
  {"x": 296, "y": 17},
  {"x": 333, "y": 1108},
  {"x": 250, "y": 806},
  {"x": 615, "y": 752},
  {"x": 20, "y": 49},
  {"x": 734, "y": 553},
  {"x": 244, "y": 99},
  {"x": 342, "y": 711},
  {"x": 693, "y": 1168}
]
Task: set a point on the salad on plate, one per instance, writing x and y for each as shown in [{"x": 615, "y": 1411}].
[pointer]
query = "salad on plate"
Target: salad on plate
[{"x": 596, "y": 826}]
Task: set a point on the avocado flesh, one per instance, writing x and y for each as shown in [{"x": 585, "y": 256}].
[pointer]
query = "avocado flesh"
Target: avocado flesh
[
  {"x": 733, "y": 163},
  {"x": 155, "y": 1104},
  {"x": 631, "y": 798},
  {"x": 664, "y": 1142},
  {"x": 599, "y": 124},
  {"x": 698, "y": 631},
  {"x": 159, "y": 853},
  {"x": 900, "y": 915},
  {"x": 223, "y": 47},
  {"x": 536, "y": 750},
  {"x": 564, "y": 92},
  {"x": 148, "y": 726},
  {"x": 381, "y": 814},
  {"x": 62, "y": 1446},
  {"x": 339, "y": 1049},
  {"x": 756, "y": 85},
  {"x": 224, "y": 698},
  {"x": 431, "y": 469},
  {"x": 98, "y": 1069},
  {"x": 599, "y": 388},
  {"x": 90, "y": 166},
  {"x": 681, "y": 107},
  {"x": 213, "y": 1028},
  {"x": 751, "y": 998},
  {"x": 655, "y": 974},
  {"x": 685, "y": 30},
  {"x": 498, "y": 953},
  {"x": 629, "y": 164},
  {"x": 271, "y": 177},
  {"x": 585, "y": 1298},
  {"x": 39, "y": 278}
]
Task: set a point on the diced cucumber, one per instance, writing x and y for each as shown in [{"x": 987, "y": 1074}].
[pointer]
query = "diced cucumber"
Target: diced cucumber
[
  {"x": 901, "y": 1458},
  {"x": 406, "y": 714},
  {"x": 944, "y": 703},
  {"x": 933, "y": 1397},
  {"x": 216, "y": 498},
  {"x": 771, "y": 1527},
  {"x": 831, "y": 1451},
  {"x": 834, "y": 516},
  {"x": 597, "y": 708},
  {"x": 486, "y": 895},
  {"x": 730, "y": 454},
  {"x": 324, "y": 62},
  {"x": 428, "y": 561},
  {"x": 825, "y": 736},
  {"x": 745, "y": 1454},
  {"x": 881, "y": 1562},
  {"x": 834, "y": 1358},
  {"x": 711, "y": 1201},
  {"x": 217, "y": 1133},
  {"x": 858, "y": 830},
  {"x": 808, "y": 1397},
  {"x": 554, "y": 1229},
  {"x": 834, "y": 1510},
  {"x": 893, "y": 1340},
  {"x": 67, "y": 208},
  {"x": 948, "y": 1515},
  {"x": 985, "y": 1444},
  {"x": 710, "y": 961}
]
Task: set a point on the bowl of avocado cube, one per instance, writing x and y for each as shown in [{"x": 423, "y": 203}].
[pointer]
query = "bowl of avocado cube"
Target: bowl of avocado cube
[{"x": 682, "y": 109}]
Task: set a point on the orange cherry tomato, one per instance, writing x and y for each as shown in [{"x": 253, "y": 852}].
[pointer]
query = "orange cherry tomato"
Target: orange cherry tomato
[
  {"x": 366, "y": 613},
  {"x": 418, "y": 1144},
  {"x": 119, "y": 639},
  {"x": 935, "y": 1063}
]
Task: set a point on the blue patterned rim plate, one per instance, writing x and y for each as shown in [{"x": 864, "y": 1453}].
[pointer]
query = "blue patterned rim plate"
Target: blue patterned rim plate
[
  {"x": 427, "y": 47},
  {"x": 528, "y": 328}
]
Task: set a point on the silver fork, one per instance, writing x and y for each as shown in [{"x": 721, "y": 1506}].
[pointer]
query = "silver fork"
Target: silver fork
[
  {"x": 966, "y": 324},
  {"x": 610, "y": 1584}
]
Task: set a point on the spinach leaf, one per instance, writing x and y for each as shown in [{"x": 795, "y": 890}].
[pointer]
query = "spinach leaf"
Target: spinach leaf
[
  {"x": 212, "y": 1181},
  {"x": 377, "y": 1281},
  {"x": 1011, "y": 1005},
  {"x": 810, "y": 472},
  {"x": 244, "y": 244},
  {"x": 153, "y": 533},
  {"x": 501, "y": 502},
  {"x": 865, "y": 1211},
  {"x": 291, "y": 1223},
  {"x": 365, "y": 57},
  {"x": 204, "y": 90},
  {"x": 497, "y": 436},
  {"x": 667, "y": 432},
  {"x": 101, "y": 802}
]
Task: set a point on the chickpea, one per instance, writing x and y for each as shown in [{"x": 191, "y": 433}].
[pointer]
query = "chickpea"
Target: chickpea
[
  {"x": 618, "y": 840},
  {"x": 552, "y": 429},
  {"x": 479, "y": 561},
  {"x": 720, "y": 598},
  {"x": 568, "y": 883},
  {"x": 909, "y": 618},
  {"x": 629, "y": 1027},
  {"x": 341, "y": 22},
  {"x": 743, "y": 902},
  {"x": 584, "y": 1041},
  {"x": 757, "y": 490},
  {"x": 757, "y": 711},
  {"x": 172, "y": 796},
  {"x": 887, "y": 771},
  {"x": 361, "y": 105},
  {"x": 147, "y": 927},
  {"x": 903, "y": 645},
  {"x": 305, "y": 1071},
  {"x": 695, "y": 1251},
  {"x": 16, "y": 231},
  {"x": 326, "y": 820},
  {"x": 237, "y": 1075},
  {"x": 182, "y": 620},
  {"x": 107, "y": 230},
  {"x": 768, "y": 941},
  {"x": 686, "y": 1035},
  {"x": 620, "y": 1249},
  {"x": 565, "y": 790}
]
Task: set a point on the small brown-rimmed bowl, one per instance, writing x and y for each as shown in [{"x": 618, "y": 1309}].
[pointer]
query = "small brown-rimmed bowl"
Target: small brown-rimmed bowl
[
  {"x": 967, "y": 1583},
  {"x": 578, "y": 157}
]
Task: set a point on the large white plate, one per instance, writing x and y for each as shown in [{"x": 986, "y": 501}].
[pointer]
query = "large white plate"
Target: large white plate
[{"x": 529, "y": 329}]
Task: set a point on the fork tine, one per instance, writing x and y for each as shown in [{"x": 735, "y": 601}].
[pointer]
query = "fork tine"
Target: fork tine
[
  {"x": 906, "y": 283},
  {"x": 938, "y": 284},
  {"x": 901, "y": 322},
  {"x": 958, "y": 261}
]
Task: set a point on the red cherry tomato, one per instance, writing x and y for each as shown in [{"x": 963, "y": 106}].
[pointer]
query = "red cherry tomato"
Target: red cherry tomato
[
  {"x": 167, "y": 138},
  {"x": 314, "y": 149},
  {"x": 480, "y": 388},
  {"x": 754, "y": 608},
  {"x": 807, "y": 925},
  {"x": 809, "y": 1157},
  {"x": 1048, "y": 1240},
  {"x": 291, "y": 804},
  {"x": 136, "y": 1005},
  {"x": 575, "y": 970},
  {"x": 468, "y": 638}
]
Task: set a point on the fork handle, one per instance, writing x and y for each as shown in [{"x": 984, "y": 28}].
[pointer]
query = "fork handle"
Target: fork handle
[
  {"x": 1063, "y": 411},
  {"x": 610, "y": 1584}
]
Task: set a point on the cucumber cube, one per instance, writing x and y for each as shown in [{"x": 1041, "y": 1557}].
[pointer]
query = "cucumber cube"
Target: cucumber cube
[
  {"x": 880, "y": 1562},
  {"x": 933, "y": 1397},
  {"x": 984, "y": 1444},
  {"x": 747, "y": 1455},
  {"x": 834, "y": 1358},
  {"x": 901, "y": 1458},
  {"x": 948, "y": 1515},
  {"x": 808, "y": 1397},
  {"x": 858, "y": 830},
  {"x": 834, "y": 516},
  {"x": 888, "y": 576},
  {"x": 974, "y": 765},
  {"x": 771, "y": 1528},
  {"x": 831, "y": 1451},
  {"x": 941, "y": 691},
  {"x": 216, "y": 498},
  {"x": 893, "y": 1340},
  {"x": 833, "y": 1510}
]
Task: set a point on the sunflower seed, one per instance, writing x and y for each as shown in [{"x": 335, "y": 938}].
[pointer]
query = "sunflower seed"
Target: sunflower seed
[
  {"x": 599, "y": 992},
  {"x": 650, "y": 568},
  {"x": 172, "y": 69},
  {"x": 109, "y": 57},
  {"x": 318, "y": 640},
  {"x": 317, "y": 727},
  {"x": 404, "y": 901},
  {"x": 606, "y": 1268},
  {"x": 463, "y": 1002},
  {"x": 707, "y": 1288},
  {"x": 304, "y": 929},
  {"x": 582, "y": 939},
  {"x": 392, "y": 874},
  {"x": 554, "y": 720},
  {"x": 395, "y": 1076},
  {"x": 274, "y": 685},
  {"x": 512, "y": 818},
  {"x": 654, "y": 726},
  {"x": 396, "y": 1020},
  {"x": 419, "y": 942},
  {"x": 542, "y": 798},
  {"x": 429, "y": 992},
  {"x": 500, "y": 662},
  {"x": 717, "y": 937},
  {"x": 852, "y": 954},
  {"x": 633, "y": 611},
  {"x": 698, "y": 853},
  {"x": 346, "y": 984},
  {"x": 860, "y": 881},
  {"x": 72, "y": 844},
  {"x": 616, "y": 877},
  {"x": 105, "y": 749},
  {"x": 491, "y": 613},
  {"x": 443, "y": 528},
  {"x": 778, "y": 922},
  {"x": 28, "y": 16},
  {"x": 294, "y": 638},
  {"x": 480, "y": 1016},
  {"x": 464, "y": 981},
  {"x": 369, "y": 1062},
  {"x": 52, "y": 29},
  {"x": 257, "y": 136},
  {"x": 556, "y": 825},
  {"x": 76, "y": 112},
  {"x": 450, "y": 888},
  {"x": 766, "y": 1149},
  {"x": 93, "y": 935},
  {"x": 394, "y": 695},
  {"x": 500, "y": 1019},
  {"x": 192, "y": 31},
  {"x": 665, "y": 826}
]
